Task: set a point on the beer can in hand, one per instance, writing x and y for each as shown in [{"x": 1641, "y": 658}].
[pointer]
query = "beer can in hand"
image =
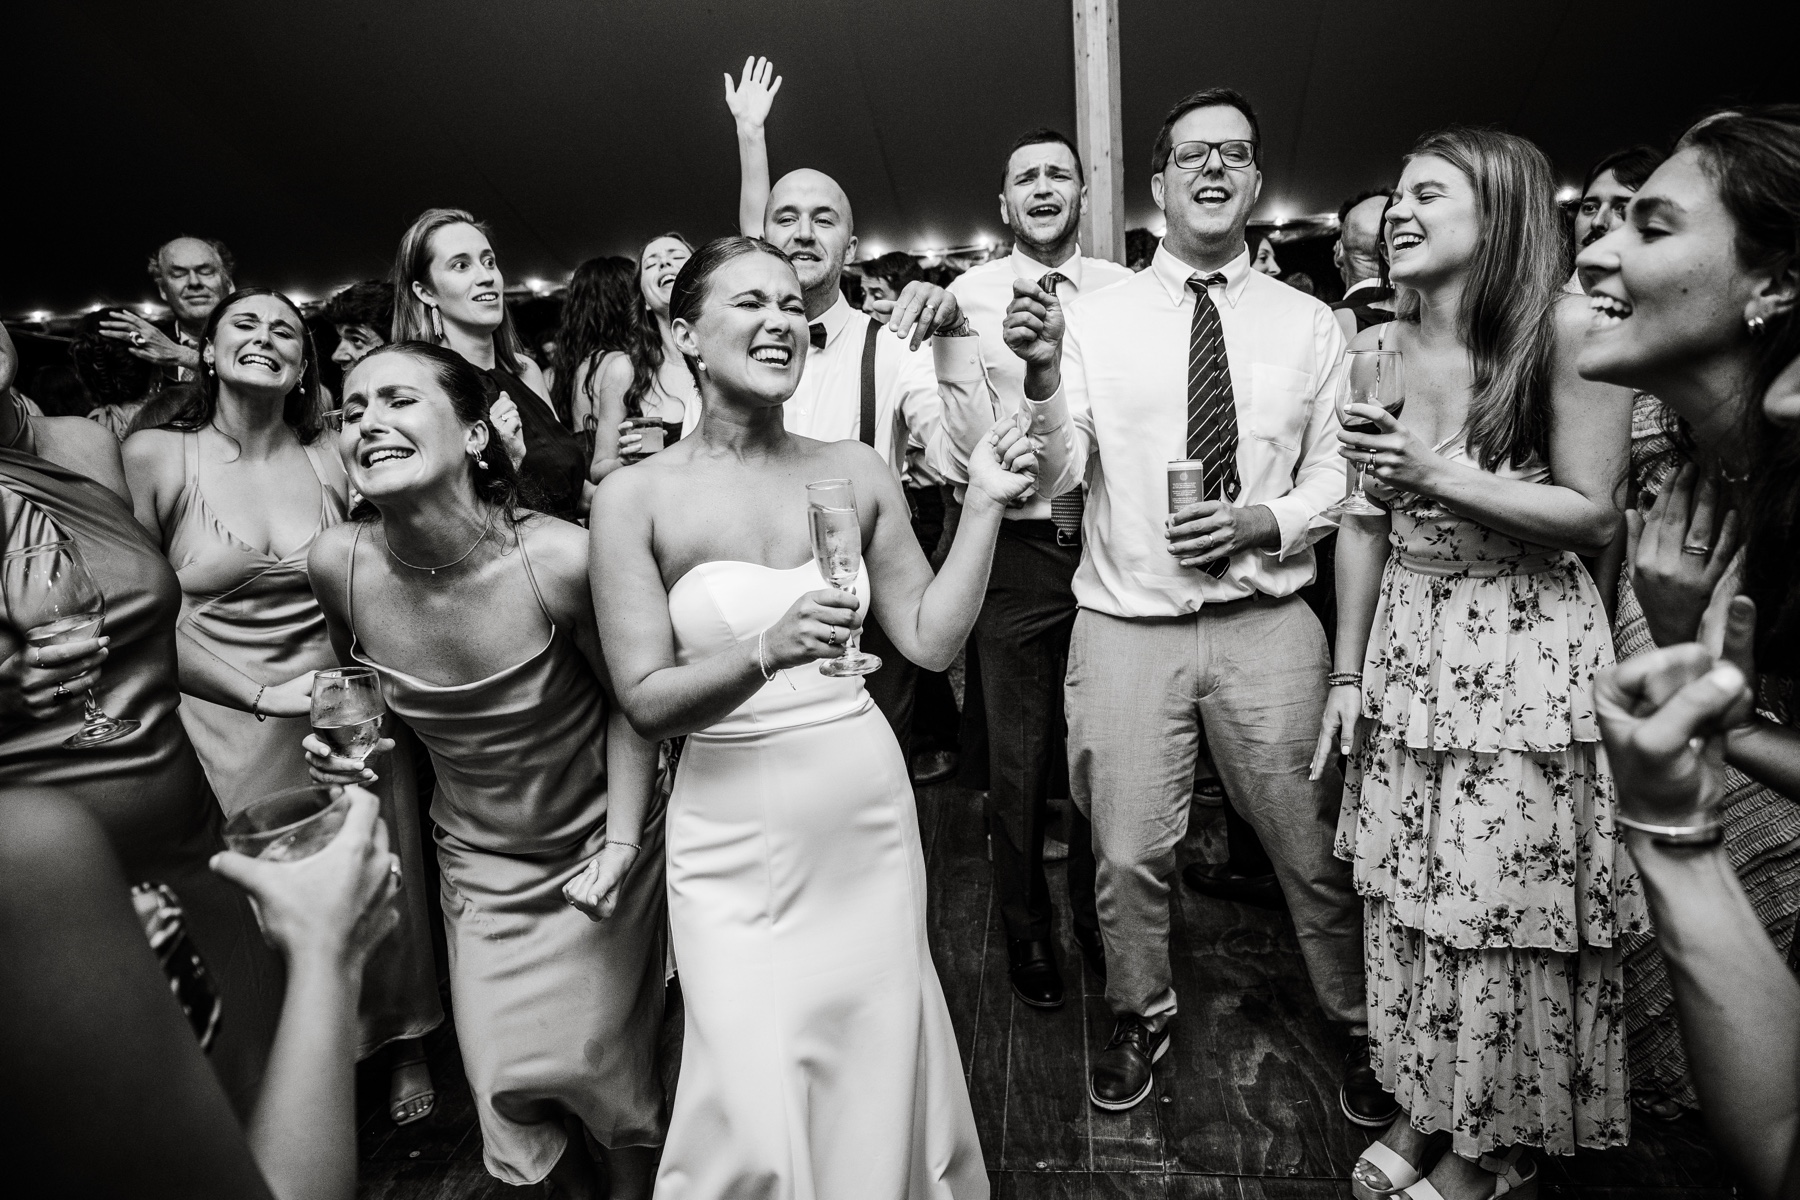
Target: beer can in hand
[{"x": 1187, "y": 481}]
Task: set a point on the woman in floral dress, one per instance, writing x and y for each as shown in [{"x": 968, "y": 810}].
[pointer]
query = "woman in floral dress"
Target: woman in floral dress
[{"x": 1477, "y": 810}]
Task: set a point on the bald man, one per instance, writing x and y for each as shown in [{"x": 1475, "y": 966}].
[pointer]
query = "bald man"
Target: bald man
[
  {"x": 191, "y": 275},
  {"x": 865, "y": 378},
  {"x": 1357, "y": 255}
]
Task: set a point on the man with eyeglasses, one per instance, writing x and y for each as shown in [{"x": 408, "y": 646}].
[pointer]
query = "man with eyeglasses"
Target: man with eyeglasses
[
  {"x": 192, "y": 275},
  {"x": 1192, "y": 615}
]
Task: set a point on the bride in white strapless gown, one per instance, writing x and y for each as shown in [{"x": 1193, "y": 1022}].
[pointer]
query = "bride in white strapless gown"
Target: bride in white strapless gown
[{"x": 819, "y": 1060}]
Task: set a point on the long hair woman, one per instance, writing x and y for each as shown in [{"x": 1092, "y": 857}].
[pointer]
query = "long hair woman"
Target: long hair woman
[
  {"x": 819, "y": 1054},
  {"x": 235, "y": 488},
  {"x": 1477, "y": 810},
  {"x": 647, "y": 379},
  {"x": 599, "y": 318},
  {"x": 1694, "y": 297},
  {"x": 449, "y": 291},
  {"x": 478, "y": 618}
]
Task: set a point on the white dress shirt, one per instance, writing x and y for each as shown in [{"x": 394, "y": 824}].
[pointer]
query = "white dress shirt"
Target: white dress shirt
[
  {"x": 1359, "y": 285},
  {"x": 828, "y": 403},
  {"x": 983, "y": 293},
  {"x": 1120, "y": 417}
]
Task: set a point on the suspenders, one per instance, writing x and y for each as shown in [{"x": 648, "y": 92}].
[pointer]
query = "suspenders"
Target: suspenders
[{"x": 865, "y": 426}]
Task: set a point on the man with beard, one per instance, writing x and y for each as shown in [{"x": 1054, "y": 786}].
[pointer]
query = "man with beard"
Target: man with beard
[
  {"x": 192, "y": 275},
  {"x": 1022, "y": 635},
  {"x": 1605, "y": 193},
  {"x": 859, "y": 383},
  {"x": 1195, "y": 616}
]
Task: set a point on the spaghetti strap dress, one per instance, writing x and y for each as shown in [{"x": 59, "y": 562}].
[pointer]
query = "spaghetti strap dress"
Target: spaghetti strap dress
[
  {"x": 1478, "y": 814},
  {"x": 256, "y": 611},
  {"x": 554, "y": 1013},
  {"x": 146, "y": 789}
]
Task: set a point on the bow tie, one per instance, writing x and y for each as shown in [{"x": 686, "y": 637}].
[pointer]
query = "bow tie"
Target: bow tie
[{"x": 817, "y": 332}]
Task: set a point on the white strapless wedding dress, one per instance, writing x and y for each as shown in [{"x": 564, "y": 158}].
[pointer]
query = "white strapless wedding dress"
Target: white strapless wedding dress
[{"x": 819, "y": 1062}]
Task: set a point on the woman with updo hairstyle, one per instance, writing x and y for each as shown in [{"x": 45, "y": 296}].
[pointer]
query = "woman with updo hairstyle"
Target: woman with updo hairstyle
[
  {"x": 819, "y": 1055},
  {"x": 1694, "y": 298},
  {"x": 235, "y": 488},
  {"x": 449, "y": 291},
  {"x": 476, "y": 614},
  {"x": 648, "y": 378},
  {"x": 599, "y": 319}
]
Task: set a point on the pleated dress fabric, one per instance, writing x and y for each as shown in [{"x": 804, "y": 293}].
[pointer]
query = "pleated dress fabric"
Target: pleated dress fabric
[
  {"x": 1478, "y": 814},
  {"x": 255, "y": 610},
  {"x": 554, "y": 1013},
  {"x": 819, "y": 1058},
  {"x": 146, "y": 789}
]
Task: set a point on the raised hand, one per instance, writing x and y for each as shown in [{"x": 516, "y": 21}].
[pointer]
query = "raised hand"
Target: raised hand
[
  {"x": 753, "y": 95},
  {"x": 503, "y": 415},
  {"x": 924, "y": 309},
  {"x": 1661, "y": 716},
  {"x": 1034, "y": 326},
  {"x": 144, "y": 340}
]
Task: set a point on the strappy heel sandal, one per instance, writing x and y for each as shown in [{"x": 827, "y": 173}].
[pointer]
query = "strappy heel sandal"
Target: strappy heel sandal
[
  {"x": 1381, "y": 1172},
  {"x": 1508, "y": 1180}
]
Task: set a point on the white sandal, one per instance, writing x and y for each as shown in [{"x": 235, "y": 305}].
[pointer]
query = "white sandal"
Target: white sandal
[
  {"x": 1507, "y": 1179},
  {"x": 1382, "y": 1158}
]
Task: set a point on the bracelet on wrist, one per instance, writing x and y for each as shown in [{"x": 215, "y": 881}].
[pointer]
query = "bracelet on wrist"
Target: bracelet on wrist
[
  {"x": 256, "y": 704},
  {"x": 1344, "y": 679},
  {"x": 617, "y": 842},
  {"x": 762, "y": 662},
  {"x": 1708, "y": 832}
]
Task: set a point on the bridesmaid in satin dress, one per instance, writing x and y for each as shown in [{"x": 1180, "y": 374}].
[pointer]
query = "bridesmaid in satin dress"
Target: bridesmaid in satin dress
[
  {"x": 236, "y": 487},
  {"x": 819, "y": 1058},
  {"x": 477, "y": 616}
]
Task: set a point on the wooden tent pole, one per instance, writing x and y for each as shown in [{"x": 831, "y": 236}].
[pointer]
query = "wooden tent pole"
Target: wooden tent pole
[{"x": 1098, "y": 127}]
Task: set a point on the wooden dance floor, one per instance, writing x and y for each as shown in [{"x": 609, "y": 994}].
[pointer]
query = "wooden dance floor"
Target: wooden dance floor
[{"x": 1246, "y": 1100}]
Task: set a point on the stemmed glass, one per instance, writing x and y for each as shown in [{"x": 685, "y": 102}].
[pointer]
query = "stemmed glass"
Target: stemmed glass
[
  {"x": 837, "y": 548},
  {"x": 1371, "y": 377},
  {"x": 347, "y": 711},
  {"x": 51, "y": 596}
]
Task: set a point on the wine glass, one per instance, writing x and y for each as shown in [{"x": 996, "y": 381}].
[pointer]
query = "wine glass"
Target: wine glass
[
  {"x": 290, "y": 825},
  {"x": 50, "y": 595},
  {"x": 347, "y": 710},
  {"x": 1371, "y": 377},
  {"x": 837, "y": 548}
]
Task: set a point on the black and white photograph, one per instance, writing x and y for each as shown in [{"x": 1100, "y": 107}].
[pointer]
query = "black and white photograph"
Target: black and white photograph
[{"x": 936, "y": 600}]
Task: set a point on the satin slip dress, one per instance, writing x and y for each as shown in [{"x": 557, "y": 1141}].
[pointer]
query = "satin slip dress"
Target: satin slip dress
[
  {"x": 554, "y": 1013},
  {"x": 819, "y": 1059}
]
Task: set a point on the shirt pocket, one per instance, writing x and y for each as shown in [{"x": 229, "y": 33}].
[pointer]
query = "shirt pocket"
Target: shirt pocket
[{"x": 1279, "y": 404}]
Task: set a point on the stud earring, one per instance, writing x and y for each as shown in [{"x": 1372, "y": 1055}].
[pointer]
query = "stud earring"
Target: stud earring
[
  {"x": 437, "y": 323},
  {"x": 1756, "y": 325}
]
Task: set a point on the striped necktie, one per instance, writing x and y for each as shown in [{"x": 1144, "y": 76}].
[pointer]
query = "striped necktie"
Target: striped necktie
[
  {"x": 1212, "y": 435},
  {"x": 1065, "y": 510}
]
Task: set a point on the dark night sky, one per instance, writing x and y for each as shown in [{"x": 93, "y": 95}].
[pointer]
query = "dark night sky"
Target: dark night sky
[{"x": 308, "y": 134}]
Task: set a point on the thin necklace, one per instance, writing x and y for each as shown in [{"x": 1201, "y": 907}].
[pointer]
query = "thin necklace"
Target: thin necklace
[{"x": 479, "y": 538}]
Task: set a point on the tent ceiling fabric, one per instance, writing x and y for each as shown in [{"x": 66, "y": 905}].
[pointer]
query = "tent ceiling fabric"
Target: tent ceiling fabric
[{"x": 308, "y": 135}]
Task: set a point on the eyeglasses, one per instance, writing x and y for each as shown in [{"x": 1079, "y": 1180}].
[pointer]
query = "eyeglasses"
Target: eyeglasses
[{"x": 1235, "y": 155}]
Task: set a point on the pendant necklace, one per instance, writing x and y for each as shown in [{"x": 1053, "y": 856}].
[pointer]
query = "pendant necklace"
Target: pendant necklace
[{"x": 479, "y": 538}]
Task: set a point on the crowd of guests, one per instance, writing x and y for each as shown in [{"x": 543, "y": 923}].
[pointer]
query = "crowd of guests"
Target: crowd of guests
[{"x": 1518, "y": 754}]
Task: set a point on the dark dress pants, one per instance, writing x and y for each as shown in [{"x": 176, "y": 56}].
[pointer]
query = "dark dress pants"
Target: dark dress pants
[{"x": 1023, "y": 639}]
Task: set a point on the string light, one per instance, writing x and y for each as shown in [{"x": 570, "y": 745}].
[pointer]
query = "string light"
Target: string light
[{"x": 1567, "y": 193}]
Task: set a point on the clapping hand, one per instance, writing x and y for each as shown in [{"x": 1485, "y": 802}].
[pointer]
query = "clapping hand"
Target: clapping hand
[
  {"x": 1034, "y": 324},
  {"x": 923, "y": 309},
  {"x": 1003, "y": 466},
  {"x": 144, "y": 340},
  {"x": 750, "y": 99},
  {"x": 595, "y": 888}
]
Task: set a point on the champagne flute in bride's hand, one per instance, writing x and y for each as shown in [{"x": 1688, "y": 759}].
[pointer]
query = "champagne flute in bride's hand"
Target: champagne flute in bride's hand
[
  {"x": 837, "y": 548},
  {"x": 50, "y": 595},
  {"x": 1371, "y": 377}
]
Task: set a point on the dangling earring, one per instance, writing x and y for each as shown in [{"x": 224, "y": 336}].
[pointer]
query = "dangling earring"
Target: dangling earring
[
  {"x": 1756, "y": 325},
  {"x": 480, "y": 462},
  {"x": 437, "y": 323},
  {"x": 700, "y": 363}
]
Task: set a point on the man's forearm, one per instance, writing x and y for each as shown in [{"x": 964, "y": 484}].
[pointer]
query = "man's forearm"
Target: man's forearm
[{"x": 1042, "y": 380}]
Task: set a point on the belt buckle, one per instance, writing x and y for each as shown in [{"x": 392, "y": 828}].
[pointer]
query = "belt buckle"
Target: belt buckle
[{"x": 1068, "y": 537}]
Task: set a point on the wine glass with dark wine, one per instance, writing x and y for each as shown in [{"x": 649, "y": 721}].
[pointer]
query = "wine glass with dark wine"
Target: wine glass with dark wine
[
  {"x": 1374, "y": 378},
  {"x": 52, "y": 598},
  {"x": 837, "y": 548}
]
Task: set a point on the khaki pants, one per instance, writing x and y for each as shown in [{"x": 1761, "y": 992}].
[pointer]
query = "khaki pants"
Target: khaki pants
[{"x": 1137, "y": 691}]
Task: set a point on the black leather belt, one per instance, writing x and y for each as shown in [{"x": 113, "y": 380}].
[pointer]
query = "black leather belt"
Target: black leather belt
[{"x": 1043, "y": 531}]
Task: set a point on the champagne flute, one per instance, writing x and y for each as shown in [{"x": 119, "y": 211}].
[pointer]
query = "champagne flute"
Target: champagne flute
[
  {"x": 1371, "y": 377},
  {"x": 837, "y": 548},
  {"x": 347, "y": 711},
  {"x": 51, "y": 596}
]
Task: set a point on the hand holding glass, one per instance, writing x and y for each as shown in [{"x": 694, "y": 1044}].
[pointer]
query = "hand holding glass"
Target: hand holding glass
[
  {"x": 1371, "y": 377},
  {"x": 837, "y": 548},
  {"x": 50, "y": 595},
  {"x": 347, "y": 711},
  {"x": 289, "y": 825}
]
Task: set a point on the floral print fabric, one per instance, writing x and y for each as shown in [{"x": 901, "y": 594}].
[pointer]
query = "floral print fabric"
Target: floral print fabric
[{"x": 1478, "y": 814}]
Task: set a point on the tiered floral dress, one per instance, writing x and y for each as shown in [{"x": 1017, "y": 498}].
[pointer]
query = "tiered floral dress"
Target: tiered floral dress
[{"x": 1479, "y": 816}]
